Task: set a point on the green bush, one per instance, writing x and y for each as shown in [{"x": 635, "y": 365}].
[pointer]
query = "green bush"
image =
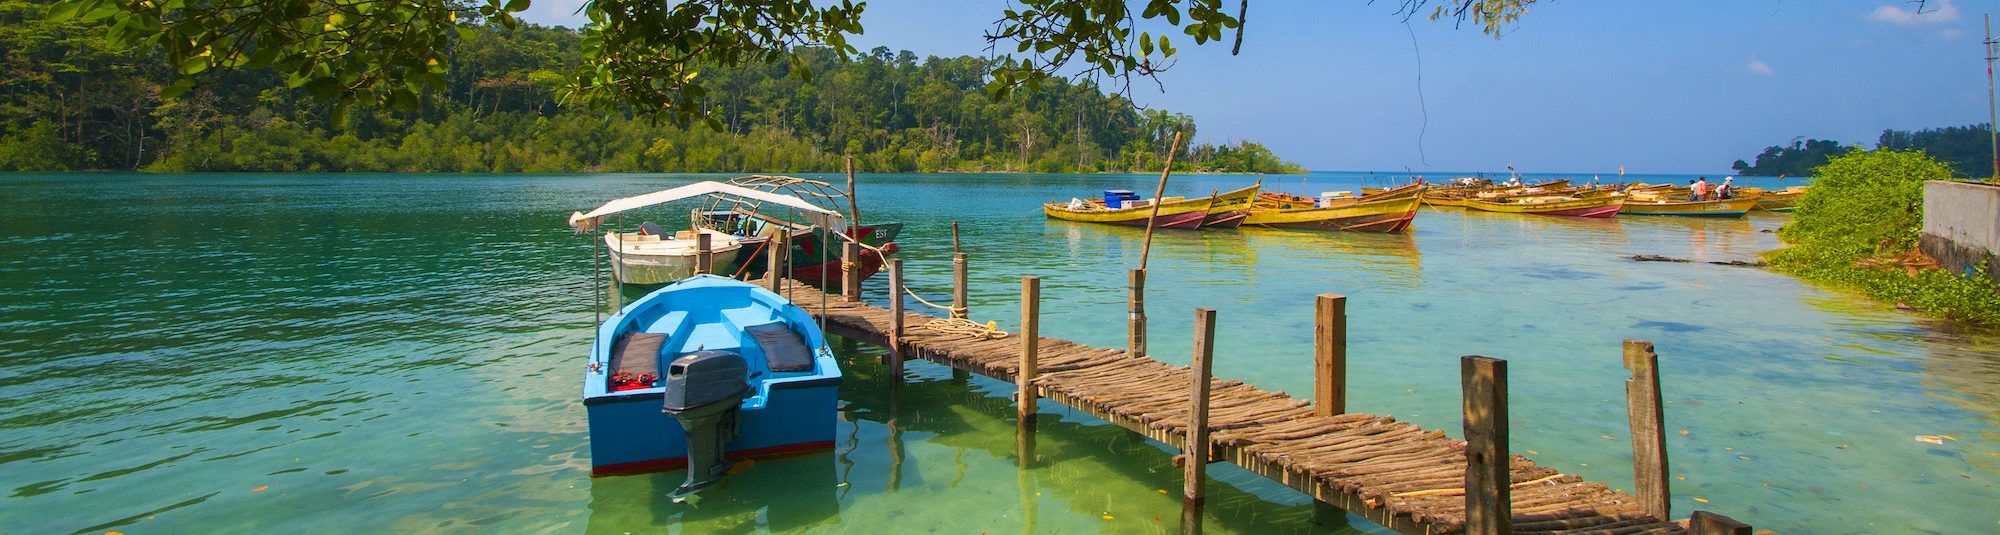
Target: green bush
[{"x": 1869, "y": 204}]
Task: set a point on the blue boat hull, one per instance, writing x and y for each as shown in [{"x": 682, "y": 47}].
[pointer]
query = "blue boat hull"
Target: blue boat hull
[{"x": 789, "y": 411}]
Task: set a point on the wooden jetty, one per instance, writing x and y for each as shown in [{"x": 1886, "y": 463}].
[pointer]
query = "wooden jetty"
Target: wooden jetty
[{"x": 1391, "y": 472}]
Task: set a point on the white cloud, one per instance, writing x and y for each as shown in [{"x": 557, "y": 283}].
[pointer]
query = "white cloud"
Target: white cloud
[
  {"x": 1952, "y": 34},
  {"x": 1934, "y": 12},
  {"x": 1758, "y": 67}
]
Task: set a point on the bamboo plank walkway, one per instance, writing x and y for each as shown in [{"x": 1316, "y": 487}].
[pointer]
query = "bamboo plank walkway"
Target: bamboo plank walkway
[{"x": 1391, "y": 472}]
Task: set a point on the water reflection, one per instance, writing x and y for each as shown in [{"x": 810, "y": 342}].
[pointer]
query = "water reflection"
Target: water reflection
[
  {"x": 1966, "y": 365},
  {"x": 1098, "y": 476}
]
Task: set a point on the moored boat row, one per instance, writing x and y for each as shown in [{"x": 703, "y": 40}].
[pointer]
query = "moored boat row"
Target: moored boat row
[
  {"x": 1389, "y": 211},
  {"x": 1638, "y": 199}
]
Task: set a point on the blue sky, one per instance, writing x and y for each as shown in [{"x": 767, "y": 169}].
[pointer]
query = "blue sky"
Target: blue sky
[{"x": 1575, "y": 86}]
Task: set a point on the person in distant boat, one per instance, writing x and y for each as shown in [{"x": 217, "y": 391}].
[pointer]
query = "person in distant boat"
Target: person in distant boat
[
  {"x": 1700, "y": 187},
  {"x": 1726, "y": 189}
]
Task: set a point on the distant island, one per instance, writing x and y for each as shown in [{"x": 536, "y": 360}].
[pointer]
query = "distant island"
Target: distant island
[
  {"x": 73, "y": 102},
  {"x": 1967, "y": 149}
]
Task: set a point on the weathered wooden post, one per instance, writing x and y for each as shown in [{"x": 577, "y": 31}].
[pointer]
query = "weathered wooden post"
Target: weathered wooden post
[
  {"x": 1488, "y": 496},
  {"x": 703, "y": 261},
  {"x": 850, "y": 271},
  {"x": 896, "y": 319},
  {"x": 1196, "y": 450},
  {"x": 1707, "y": 523},
  {"x": 1649, "y": 431},
  {"x": 958, "y": 290},
  {"x": 1135, "y": 328},
  {"x": 1330, "y": 355},
  {"x": 1031, "y": 306},
  {"x": 774, "y": 260}
]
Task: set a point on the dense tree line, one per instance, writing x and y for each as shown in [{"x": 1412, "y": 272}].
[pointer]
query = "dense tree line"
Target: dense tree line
[
  {"x": 70, "y": 100},
  {"x": 1967, "y": 149},
  {"x": 1799, "y": 159}
]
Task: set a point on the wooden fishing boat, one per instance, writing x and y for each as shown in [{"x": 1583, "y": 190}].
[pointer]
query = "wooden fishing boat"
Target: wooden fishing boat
[
  {"x": 1556, "y": 205},
  {"x": 1665, "y": 202},
  {"x": 1174, "y": 212},
  {"x": 1227, "y": 210},
  {"x": 1387, "y": 211},
  {"x": 1457, "y": 195},
  {"x": 814, "y": 255},
  {"x": 1784, "y": 200},
  {"x": 740, "y": 372},
  {"x": 650, "y": 255}
]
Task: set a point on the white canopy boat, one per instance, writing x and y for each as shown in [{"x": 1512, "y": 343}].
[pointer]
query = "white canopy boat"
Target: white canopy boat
[{"x": 648, "y": 255}]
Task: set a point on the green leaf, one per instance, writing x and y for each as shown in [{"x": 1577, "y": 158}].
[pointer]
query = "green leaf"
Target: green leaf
[
  {"x": 177, "y": 88},
  {"x": 516, "y": 6},
  {"x": 63, "y": 11},
  {"x": 194, "y": 65},
  {"x": 1145, "y": 44}
]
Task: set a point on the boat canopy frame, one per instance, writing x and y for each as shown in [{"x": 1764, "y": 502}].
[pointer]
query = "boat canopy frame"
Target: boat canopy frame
[{"x": 717, "y": 193}]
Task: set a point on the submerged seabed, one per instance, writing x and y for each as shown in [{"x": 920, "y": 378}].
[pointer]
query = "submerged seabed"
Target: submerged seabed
[{"x": 183, "y": 353}]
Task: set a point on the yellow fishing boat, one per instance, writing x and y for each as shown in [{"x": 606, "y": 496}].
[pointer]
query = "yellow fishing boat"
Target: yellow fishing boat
[
  {"x": 1227, "y": 210},
  {"x": 1174, "y": 212},
  {"x": 1386, "y": 211},
  {"x": 1558, "y": 205},
  {"x": 1665, "y": 202},
  {"x": 1784, "y": 200}
]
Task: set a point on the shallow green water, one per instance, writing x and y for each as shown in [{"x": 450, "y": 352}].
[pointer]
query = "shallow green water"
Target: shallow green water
[{"x": 368, "y": 353}]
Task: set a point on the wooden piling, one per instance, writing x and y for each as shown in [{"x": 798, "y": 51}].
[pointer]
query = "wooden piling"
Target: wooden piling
[
  {"x": 1330, "y": 355},
  {"x": 850, "y": 271},
  {"x": 896, "y": 319},
  {"x": 1488, "y": 496},
  {"x": 704, "y": 262},
  {"x": 853, "y": 202},
  {"x": 1649, "y": 431},
  {"x": 774, "y": 260},
  {"x": 1196, "y": 450},
  {"x": 1707, "y": 523},
  {"x": 958, "y": 289},
  {"x": 1031, "y": 307},
  {"x": 1135, "y": 327}
]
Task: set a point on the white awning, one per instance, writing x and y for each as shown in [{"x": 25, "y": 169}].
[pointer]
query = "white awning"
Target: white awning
[{"x": 819, "y": 216}]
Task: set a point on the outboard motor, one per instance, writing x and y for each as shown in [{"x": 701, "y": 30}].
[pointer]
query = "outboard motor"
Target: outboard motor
[{"x": 704, "y": 392}]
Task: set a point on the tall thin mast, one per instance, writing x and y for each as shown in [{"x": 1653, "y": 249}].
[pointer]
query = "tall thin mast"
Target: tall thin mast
[{"x": 1992, "y": 116}]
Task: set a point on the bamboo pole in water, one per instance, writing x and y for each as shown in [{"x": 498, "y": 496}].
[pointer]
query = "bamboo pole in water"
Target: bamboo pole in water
[
  {"x": 1135, "y": 329},
  {"x": 1147, "y": 248}
]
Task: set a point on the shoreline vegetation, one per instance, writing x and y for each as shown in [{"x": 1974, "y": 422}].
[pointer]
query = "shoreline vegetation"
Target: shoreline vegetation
[
  {"x": 73, "y": 101},
  {"x": 1857, "y": 229},
  {"x": 1963, "y": 148}
]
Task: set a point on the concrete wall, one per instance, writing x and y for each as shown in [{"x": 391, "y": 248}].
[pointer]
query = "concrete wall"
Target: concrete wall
[{"x": 1962, "y": 225}]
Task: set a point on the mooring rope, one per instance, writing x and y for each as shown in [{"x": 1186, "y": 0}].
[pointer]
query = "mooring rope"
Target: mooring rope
[{"x": 957, "y": 323}]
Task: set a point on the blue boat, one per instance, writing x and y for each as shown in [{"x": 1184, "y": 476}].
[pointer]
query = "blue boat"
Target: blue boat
[{"x": 726, "y": 366}]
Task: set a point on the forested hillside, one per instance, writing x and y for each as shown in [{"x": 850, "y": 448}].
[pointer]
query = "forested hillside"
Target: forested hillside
[
  {"x": 1967, "y": 149},
  {"x": 69, "y": 101}
]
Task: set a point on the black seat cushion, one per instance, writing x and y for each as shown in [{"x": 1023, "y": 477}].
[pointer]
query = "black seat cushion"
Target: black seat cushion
[
  {"x": 637, "y": 353},
  {"x": 783, "y": 349}
]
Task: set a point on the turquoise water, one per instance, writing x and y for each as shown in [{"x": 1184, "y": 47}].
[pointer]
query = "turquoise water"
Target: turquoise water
[{"x": 367, "y": 353}]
